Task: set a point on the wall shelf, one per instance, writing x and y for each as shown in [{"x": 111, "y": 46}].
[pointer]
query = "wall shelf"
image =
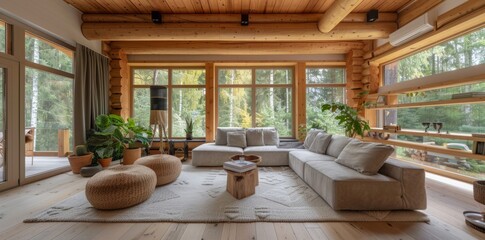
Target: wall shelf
[
  {"x": 425, "y": 147},
  {"x": 410, "y": 132},
  {"x": 432, "y": 103}
]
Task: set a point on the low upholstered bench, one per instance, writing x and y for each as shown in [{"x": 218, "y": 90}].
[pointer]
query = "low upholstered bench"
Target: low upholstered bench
[{"x": 121, "y": 187}]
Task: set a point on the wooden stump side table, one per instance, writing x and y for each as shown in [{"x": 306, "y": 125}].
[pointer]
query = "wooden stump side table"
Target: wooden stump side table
[
  {"x": 251, "y": 158},
  {"x": 241, "y": 185}
]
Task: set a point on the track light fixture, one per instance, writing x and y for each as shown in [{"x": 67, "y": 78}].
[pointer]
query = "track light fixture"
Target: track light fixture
[
  {"x": 244, "y": 19},
  {"x": 156, "y": 17},
  {"x": 372, "y": 15}
]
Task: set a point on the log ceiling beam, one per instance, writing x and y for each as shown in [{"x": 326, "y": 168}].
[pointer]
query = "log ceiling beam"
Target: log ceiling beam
[
  {"x": 336, "y": 13},
  {"x": 234, "y": 48},
  {"x": 264, "y": 32},
  {"x": 455, "y": 13},
  {"x": 415, "y": 10},
  {"x": 230, "y": 18}
]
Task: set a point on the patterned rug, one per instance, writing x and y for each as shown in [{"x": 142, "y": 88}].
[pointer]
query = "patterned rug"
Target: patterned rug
[{"x": 199, "y": 195}]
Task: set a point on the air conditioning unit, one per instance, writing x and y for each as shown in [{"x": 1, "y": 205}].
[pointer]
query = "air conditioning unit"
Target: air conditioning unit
[{"x": 412, "y": 30}]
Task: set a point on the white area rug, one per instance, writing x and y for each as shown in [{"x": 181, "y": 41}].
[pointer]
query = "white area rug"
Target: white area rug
[{"x": 199, "y": 195}]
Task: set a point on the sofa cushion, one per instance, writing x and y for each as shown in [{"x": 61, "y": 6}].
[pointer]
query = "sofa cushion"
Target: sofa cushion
[
  {"x": 345, "y": 189},
  {"x": 236, "y": 139},
  {"x": 270, "y": 155},
  {"x": 271, "y": 137},
  {"x": 221, "y": 134},
  {"x": 364, "y": 157},
  {"x": 337, "y": 144},
  {"x": 320, "y": 143},
  {"x": 254, "y": 137},
  {"x": 310, "y": 136},
  {"x": 299, "y": 157},
  {"x": 210, "y": 154}
]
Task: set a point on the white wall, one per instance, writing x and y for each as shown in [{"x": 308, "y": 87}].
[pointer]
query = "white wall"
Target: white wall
[{"x": 55, "y": 17}]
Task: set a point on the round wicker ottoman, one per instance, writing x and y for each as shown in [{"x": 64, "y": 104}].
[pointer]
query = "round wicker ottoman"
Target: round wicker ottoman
[
  {"x": 166, "y": 167},
  {"x": 120, "y": 187}
]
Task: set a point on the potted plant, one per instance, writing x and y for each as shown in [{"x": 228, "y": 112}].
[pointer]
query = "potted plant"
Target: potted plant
[
  {"x": 105, "y": 155},
  {"x": 189, "y": 127},
  {"x": 109, "y": 132},
  {"x": 80, "y": 158},
  {"x": 126, "y": 138},
  {"x": 136, "y": 138},
  {"x": 348, "y": 118}
]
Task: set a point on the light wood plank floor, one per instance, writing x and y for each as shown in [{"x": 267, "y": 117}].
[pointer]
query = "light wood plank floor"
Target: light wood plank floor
[{"x": 447, "y": 199}]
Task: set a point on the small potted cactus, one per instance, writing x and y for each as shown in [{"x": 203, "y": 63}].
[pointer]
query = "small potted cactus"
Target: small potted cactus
[{"x": 80, "y": 158}]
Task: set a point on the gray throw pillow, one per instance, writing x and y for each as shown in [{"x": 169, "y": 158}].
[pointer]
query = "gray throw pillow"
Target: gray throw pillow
[
  {"x": 310, "y": 136},
  {"x": 337, "y": 144},
  {"x": 221, "y": 134},
  {"x": 254, "y": 137},
  {"x": 320, "y": 143},
  {"x": 271, "y": 137},
  {"x": 236, "y": 139},
  {"x": 366, "y": 158}
]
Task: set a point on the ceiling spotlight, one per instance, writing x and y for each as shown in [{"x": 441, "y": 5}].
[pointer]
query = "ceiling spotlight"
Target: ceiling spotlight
[
  {"x": 244, "y": 19},
  {"x": 372, "y": 15},
  {"x": 156, "y": 17}
]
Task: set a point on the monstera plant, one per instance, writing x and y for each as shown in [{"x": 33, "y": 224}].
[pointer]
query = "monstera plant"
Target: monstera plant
[
  {"x": 125, "y": 137},
  {"x": 348, "y": 118}
]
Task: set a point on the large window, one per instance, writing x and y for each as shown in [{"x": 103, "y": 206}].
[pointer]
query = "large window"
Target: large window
[
  {"x": 457, "y": 118},
  {"x": 48, "y": 93},
  {"x": 186, "y": 93},
  {"x": 461, "y": 52},
  {"x": 324, "y": 85},
  {"x": 49, "y": 96},
  {"x": 256, "y": 97}
]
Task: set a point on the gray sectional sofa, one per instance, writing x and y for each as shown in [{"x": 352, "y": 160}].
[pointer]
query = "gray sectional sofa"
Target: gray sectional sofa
[{"x": 343, "y": 184}]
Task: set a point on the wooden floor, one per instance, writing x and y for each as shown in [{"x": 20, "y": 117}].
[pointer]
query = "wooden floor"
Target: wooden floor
[{"x": 446, "y": 202}]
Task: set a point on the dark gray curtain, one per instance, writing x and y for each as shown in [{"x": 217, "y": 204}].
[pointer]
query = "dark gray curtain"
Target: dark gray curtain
[{"x": 91, "y": 90}]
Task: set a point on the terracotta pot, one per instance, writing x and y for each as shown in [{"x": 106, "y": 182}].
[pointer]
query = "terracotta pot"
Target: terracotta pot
[
  {"x": 130, "y": 155},
  {"x": 77, "y": 162},
  {"x": 105, "y": 162}
]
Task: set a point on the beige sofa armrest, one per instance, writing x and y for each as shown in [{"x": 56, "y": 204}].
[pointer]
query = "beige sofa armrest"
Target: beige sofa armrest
[{"x": 412, "y": 180}]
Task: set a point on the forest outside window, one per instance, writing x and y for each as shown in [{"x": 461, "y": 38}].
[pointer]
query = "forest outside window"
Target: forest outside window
[
  {"x": 44, "y": 52},
  {"x": 465, "y": 118},
  {"x": 256, "y": 97},
  {"x": 461, "y": 52},
  {"x": 324, "y": 85},
  {"x": 3, "y": 36},
  {"x": 48, "y": 91},
  {"x": 186, "y": 97}
]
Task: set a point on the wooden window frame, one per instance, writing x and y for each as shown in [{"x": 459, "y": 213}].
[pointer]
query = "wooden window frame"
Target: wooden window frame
[
  {"x": 325, "y": 85},
  {"x": 458, "y": 77},
  {"x": 253, "y": 86},
  {"x": 170, "y": 86},
  {"x": 60, "y": 47}
]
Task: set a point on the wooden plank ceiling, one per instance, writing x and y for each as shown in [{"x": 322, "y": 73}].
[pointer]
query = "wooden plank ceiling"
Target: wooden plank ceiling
[{"x": 226, "y": 6}]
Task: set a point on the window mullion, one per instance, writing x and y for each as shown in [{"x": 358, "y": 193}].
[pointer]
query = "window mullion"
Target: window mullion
[
  {"x": 253, "y": 96},
  {"x": 170, "y": 102}
]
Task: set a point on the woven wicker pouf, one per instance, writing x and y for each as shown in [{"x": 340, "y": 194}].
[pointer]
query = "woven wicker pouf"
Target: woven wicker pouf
[
  {"x": 166, "y": 167},
  {"x": 120, "y": 187}
]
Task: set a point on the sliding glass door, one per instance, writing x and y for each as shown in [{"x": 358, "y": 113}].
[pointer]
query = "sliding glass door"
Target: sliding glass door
[
  {"x": 9, "y": 124},
  {"x": 49, "y": 82}
]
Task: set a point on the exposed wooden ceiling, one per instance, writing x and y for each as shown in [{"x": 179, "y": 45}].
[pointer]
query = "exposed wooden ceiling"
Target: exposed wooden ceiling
[{"x": 226, "y": 6}]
